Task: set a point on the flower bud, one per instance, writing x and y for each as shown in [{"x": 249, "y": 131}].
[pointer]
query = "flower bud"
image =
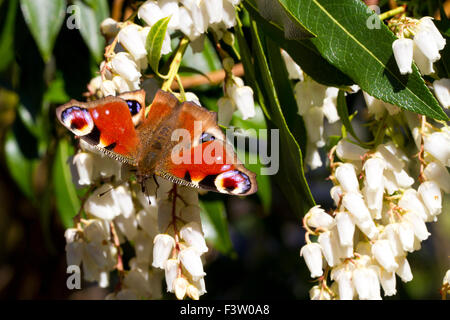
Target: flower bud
[
  {"x": 180, "y": 286},
  {"x": 382, "y": 252},
  {"x": 109, "y": 28},
  {"x": 163, "y": 245},
  {"x": 193, "y": 235},
  {"x": 192, "y": 292},
  {"x": 313, "y": 257},
  {"x": 190, "y": 258},
  {"x": 228, "y": 64},
  {"x": 403, "y": 53},
  {"x": 442, "y": 91},
  {"x": 336, "y": 194},
  {"x": 318, "y": 218},
  {"x": 346, "y": 176},
  {"x": 431, "y": 196},
  {"x": 315, "y": 293}
]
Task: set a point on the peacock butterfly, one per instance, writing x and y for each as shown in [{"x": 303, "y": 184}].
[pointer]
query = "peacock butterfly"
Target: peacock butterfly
[{"x": 120, "y": 127}]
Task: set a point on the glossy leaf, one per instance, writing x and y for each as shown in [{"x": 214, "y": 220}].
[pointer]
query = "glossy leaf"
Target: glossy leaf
[
  {"x": 44, "y": 19},
  {"x": 90, "y": 17},
  {"x": 215, "y": 226},
  {"x": 20, "y": 167},
  {"x": 67, "y": 200},
  {"x": 363, "y": 51},
  {"x": 155, "y": 41},
  {"x": 303, "y": 52},
  {"x": 291, "y": 177},
  {"x": 7, "y": 35}
]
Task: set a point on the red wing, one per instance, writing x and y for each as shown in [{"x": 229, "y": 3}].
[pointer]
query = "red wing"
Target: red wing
[
  {"x": 106, "y": 124},
  {"x": 206, "y": 160}
]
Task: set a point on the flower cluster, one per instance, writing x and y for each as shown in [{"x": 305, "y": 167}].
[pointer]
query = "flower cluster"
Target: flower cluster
[
  {"x": 419, "y": 40},
  {"x": 379, "y": 219},
  {"x": 163, "y": 225}
]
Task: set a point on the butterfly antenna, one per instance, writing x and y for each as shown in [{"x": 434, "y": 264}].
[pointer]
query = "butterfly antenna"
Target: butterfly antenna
[{"x": 105, "y": 192}]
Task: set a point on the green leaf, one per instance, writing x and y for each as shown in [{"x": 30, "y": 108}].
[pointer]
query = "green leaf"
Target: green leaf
[
  {"x": 154, "y": 42},
  {"x": 44, "y": 19},
  {"x": 303, "y": 52},
  {"x": 7, "y": 36},
  {"x": 67, "y": 200},
  {"x": 215, "y": 226},
  {"x": 90, "y": 17},
  {"x": 345, "y": 118},
  {"x": 20, "y": 167},
  {"x": 291, "y": 177},
  {"x": 363, "y": 53},
  {"x": 285, "y": 93}
]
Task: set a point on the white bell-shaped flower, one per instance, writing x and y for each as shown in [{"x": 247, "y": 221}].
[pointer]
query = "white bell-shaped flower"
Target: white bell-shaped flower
[
  {"x": 84, "y": 163},
  {"x": 442, "y": 91},
  {"x": 329, "y": 106},
  {"x": 171, "y": 8},
  {"x": 438, "y": 173},
  {"x": 368, "y": 228},
  {"x": 109, "y": 28},
  {"x": 190, "y": 258},
  {"x": 403, "y": 54},
  {"x": 124, "y": 65},
  {"x": 226, "y": 109},
  {"x": 390, "y": 233},
  {"x": 330, "y": 248},
  {"x": 312, "y": 157},
  {"x": 374, "y": 200},
  {"x": 316, "y": 293},
  {"x": 312, "y": 253},
  {"x": 127, "y": 226},
  {"x": 242, "y": 97},
  {"x": 345, "y": 227},
  {"x": 346, "y": 176},
  {"x": 427, "y": 45},
  {"x": 424, "y": 64},
  {"x": 214, "y": 10},
  {"x": 121, "y": 84},
  {"x": 354, "y": 203},
  {"x": 150, "y": 12},
  {"x": 404, "y": 270},
  {"x": 102, "y": 203},
  {"x": 373, "y": 169},
  {"x": 403, "y": 179},
  {"x": 406, "y": 235},
  {"x": 313, "y": 119},
  {"x": 374, "y": 106},
  {"x": 130, "y": 39},
  {"x": 365, "y": 281},
  {"x": 309, "y": 93},
  {"x": 343, "y": 276},
  {"x": 193, "y": 235},
  {"x": 431, "y": 196},
  {"x": 382, "y": 252},
  {"x": 180, "y": 286},
  {"x": 410, "y": 201},
  {"x": 123, "y": 197},
  {"x": 171, "y": 272},
  {"x": 318, "y": 218},
  {"x": 418, "y": 225},
  {"x": 388, "y": 282},
  {"x": 163, "y": 245},
  {"x": 438, "y": 145},
  {"x": 108, "y": 88},
  {"x": 336, "y": 194},
  {"x": 349, "y": 151}
]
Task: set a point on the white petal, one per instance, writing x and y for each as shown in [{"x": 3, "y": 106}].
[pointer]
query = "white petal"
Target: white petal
[
  {"x": 190, "y": 258},
  {"x": 163, "y": 245},
  {"x": 438, "y": 173},
  {"x": 431, "y": 196},
  {"x": 346, "y": 176},
  {"x": 193, "y": 235},
  {"x": 313, "y": 257},
  {"x": 349, "y": 151},
  {"x": 403, "y": 53},
  {"x": 442, "y": 91},
  {"x": 345, "y": 227},
  {"x": 131, "y": 40}
]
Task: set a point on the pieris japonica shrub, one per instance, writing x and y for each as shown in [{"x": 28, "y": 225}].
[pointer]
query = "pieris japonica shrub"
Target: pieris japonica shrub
[{"x": 363, "y": 97}]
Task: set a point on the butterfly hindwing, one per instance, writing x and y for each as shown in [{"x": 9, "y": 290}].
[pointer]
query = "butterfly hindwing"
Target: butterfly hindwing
[
  {"x": 206, "y": 160},
  {"x": 107, "y": 124}
]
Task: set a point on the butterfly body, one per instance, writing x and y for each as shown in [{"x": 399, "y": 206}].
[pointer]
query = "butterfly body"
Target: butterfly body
[{"x": 119, "y": 127}]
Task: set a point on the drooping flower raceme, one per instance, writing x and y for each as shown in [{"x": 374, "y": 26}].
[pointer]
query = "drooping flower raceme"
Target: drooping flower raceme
[{"x": 379, "y": 217}]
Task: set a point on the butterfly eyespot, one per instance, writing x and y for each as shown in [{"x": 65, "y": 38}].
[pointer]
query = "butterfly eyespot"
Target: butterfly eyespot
[
  {"x": 78, "y": 120},
  {"x": 205, "y": 137},
  {"x": 233, "y": 181},
  {"x": 134, "y": 107}
]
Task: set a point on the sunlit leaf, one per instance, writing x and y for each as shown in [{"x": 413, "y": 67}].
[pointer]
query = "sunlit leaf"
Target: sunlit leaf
[
  {"x": 363, "y": 53},
  {"x": 66, "y": 197},
  {"x": 7, "y": 35},
  {"x": 44, "y": 19},
  {"x": 155, "y": 41}
]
